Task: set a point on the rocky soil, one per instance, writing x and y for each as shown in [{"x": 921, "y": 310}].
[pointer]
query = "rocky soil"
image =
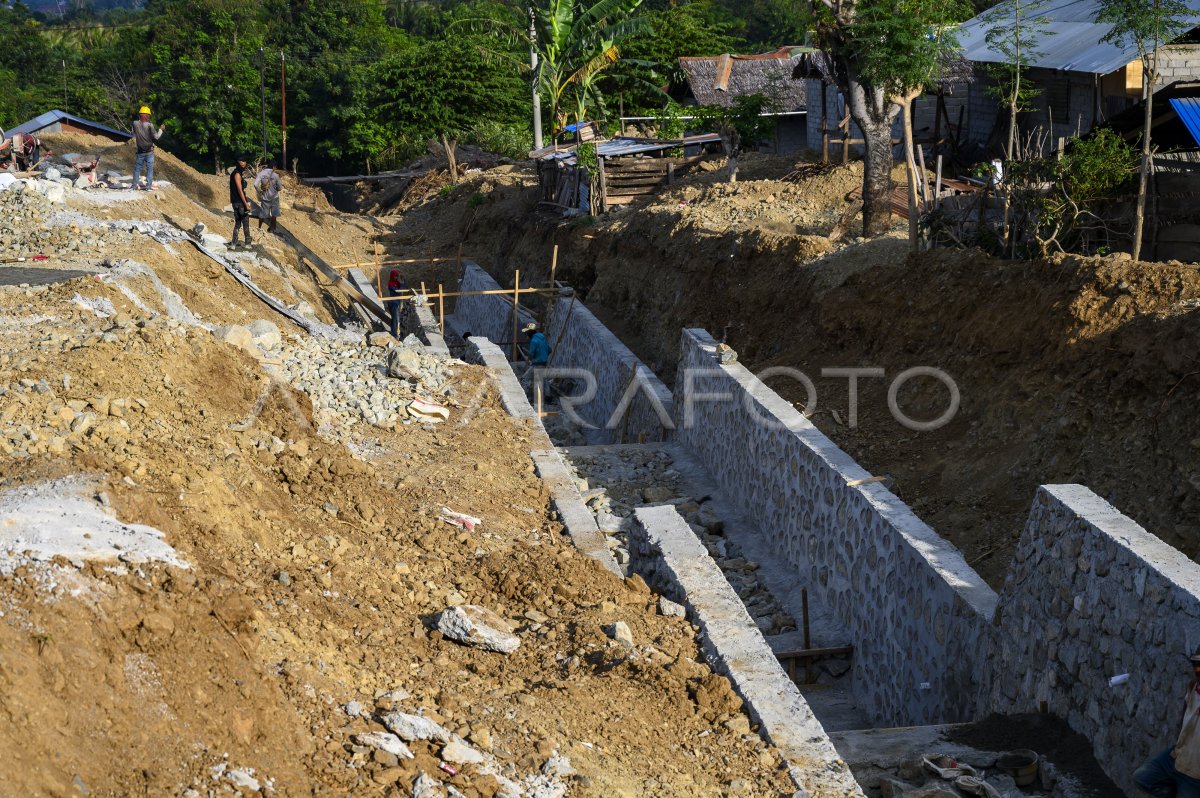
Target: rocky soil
[{"x": 268, "y": 550}]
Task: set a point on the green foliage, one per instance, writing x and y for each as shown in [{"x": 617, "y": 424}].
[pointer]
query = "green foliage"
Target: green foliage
[
  {"x": 669, "y": 122},
  {"x": 510, "y": 139},
  {"x": 742, "y": 124},
  {"x": 585, "y": 156},
  {"x": 688, "y": 29},
  {"x": 476, "y": 199},
  {"x": 1098, "y": 166},
  {"x": 1145, "y": 23},
  {"x": 1016, "y": 29}
]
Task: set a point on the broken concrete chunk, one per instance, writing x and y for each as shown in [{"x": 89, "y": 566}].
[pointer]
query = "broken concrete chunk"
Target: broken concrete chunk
[
  {"x": 619, "y": 631},
  {"x": 383, "y": 741},
  {"x": 671, "y": 609},
  {"x": 478, "y": 626},
  {"x": 459, "y": 753},
  {"x": 266, "y": 334},
  {"x": 557, "y": 766},
  {"x": 415, "y": 727}
]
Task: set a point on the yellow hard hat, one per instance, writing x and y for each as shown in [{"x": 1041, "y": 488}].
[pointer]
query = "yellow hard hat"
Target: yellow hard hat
[{"x": 145, "y": 109}]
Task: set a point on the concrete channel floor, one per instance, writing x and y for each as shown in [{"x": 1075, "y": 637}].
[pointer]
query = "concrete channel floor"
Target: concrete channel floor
[{"x": 830, "y": 699}]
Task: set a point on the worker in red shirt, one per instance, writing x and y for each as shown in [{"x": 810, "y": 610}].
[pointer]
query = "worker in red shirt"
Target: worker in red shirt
[{"x": 1175, "y": 771}]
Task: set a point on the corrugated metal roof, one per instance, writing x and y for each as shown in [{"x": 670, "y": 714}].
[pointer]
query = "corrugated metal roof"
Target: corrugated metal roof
[
  {"x": 52, "y": 117},
  {"x": 1071, "y": 41},
  {"x": 1188, "y": 109},
  {"x": 624, "y": 146}
]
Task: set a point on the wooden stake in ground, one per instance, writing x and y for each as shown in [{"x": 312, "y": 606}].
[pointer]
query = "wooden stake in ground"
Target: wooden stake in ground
[
  {"x": 441, "y": 310},
  {"x": 516, "y": 310}
]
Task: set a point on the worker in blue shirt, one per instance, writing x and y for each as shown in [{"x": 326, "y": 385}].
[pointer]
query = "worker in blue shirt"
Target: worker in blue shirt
[{"x": 539, "y": 347}]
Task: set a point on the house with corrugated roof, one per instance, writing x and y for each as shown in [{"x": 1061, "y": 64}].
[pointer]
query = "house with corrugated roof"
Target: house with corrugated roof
[
  {"x": 1082, "y": 79},
  {"x": 62, "y": 122},
  {"x": 720, "y": 79}
]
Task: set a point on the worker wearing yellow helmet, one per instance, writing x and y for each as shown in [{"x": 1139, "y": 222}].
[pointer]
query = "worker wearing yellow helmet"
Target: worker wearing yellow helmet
[{"x": 145, "y": 136}]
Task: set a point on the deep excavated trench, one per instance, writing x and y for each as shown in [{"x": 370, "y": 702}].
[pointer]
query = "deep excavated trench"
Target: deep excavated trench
[{"x": 722, "y": 471}]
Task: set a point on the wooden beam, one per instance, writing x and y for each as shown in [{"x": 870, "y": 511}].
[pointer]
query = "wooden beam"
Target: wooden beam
[{"x": 801, "y": 653}]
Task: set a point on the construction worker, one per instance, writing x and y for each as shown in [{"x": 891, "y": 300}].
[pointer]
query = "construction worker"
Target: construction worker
[
  {"x": 145, "y": 136},
  {"x": 241, "y": 205},
  {"x": 1175, "y": 771},
  {"x": 396, "y": 288},
  {"x": 268, "y": 186},
  {"x": 539, "y": 347}
]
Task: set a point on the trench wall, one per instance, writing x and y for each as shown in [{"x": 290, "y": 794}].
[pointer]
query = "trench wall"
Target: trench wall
[
  {"x": 417, "y": 318},
  {"x": 1091, "y": 595},
  {"x": 917, "y": 615},
  {"x": 631, "y": 404},
  {"x": 577, "y": 519},
  {"x": 486, "y": 316}
]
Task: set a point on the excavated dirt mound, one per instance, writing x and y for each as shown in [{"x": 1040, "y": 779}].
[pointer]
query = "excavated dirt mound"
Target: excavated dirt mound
[
  {"x": 1075, "y": 370},
  {"x": 314, "y": 575}
]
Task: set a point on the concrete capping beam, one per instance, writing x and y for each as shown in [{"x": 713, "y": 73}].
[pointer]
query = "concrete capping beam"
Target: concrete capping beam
[
  {"x": 1091, "y": 595},
  {"x": 564, "y": 495},
  {"x": 674, "y": 562}
]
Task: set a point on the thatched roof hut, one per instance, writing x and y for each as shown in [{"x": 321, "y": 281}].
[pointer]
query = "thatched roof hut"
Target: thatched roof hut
[{"x": 719, "y": 79}]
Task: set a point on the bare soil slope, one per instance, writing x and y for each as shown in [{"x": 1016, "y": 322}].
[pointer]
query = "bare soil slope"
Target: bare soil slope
[{"x": 1074, "y": 370}]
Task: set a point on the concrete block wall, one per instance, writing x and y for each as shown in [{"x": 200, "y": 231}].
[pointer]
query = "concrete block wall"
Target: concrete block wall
[
  {"x": 1178, "y": 62},
  {"x": 674, "y": 562},
  {"x": 631, "y": 404},
  {"x": 1091, "y": 595},
  {"x": 917, "y": 615},
  {"x": 416, "y": 318}
]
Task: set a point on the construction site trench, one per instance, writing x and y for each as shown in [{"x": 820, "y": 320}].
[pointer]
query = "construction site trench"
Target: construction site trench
[{"x": 269, "y": 550}]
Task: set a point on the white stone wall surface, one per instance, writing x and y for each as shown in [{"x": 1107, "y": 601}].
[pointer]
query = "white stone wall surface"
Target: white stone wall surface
[{"x": 916, "y": 614}]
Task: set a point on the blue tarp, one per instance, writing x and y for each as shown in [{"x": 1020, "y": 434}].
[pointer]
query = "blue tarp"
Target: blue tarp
[{"x": 1188, "y": 109}]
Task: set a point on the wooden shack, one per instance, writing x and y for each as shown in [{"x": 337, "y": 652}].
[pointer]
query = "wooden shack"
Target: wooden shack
[{"x": 625, "y": 169}]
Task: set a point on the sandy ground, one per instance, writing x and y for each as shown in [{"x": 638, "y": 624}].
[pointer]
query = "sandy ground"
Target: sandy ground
[{"x": 313, "y": 576}]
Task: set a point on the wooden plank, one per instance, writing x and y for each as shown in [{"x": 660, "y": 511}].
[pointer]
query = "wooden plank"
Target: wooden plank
[
  {"x": 802, "y": 653},
  {"x": 638, "y": 182},
  {"x": 333, "y": 276}
]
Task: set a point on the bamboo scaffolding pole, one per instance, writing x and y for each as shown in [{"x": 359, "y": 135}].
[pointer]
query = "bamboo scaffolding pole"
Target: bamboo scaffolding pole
[
  {"x": 507, "y": 292},
  {"x": 395, "y": 261},
  {"x": 441, "y": 310},
  {"x": 516, "y": 310}
]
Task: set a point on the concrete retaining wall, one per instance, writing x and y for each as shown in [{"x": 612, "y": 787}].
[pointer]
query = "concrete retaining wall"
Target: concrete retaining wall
[
  {"x": 916, "y": 613},
  {"x": 674, "y": 562},
  {"x": 578, "y": 520},
  {"x": 487, "y": 316},
  {"x": 1092, "y": 595},
  {"x": 631, "y": 404},
  {"x": 416, "y": 318}
]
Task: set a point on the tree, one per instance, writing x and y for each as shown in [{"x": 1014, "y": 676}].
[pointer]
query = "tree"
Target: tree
[
  {"x": 1147, "y": 25},
  {"x": 442, "y": 89},
  {"x": 575, "y": 44},
  {"x": 879, "y": 51},
  {"x": 1015, "y": 28}
]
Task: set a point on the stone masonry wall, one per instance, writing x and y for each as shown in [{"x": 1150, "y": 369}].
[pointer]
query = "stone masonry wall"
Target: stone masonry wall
[
  {"x": 1178, "y": 62},
  {"x": 487, "y": 316},
  {"x": 1092, "y": 595},
  {"x": 917, "y": 615},
  {"x": 416, "y": 318},
  {"x": 631, "y": 404}
]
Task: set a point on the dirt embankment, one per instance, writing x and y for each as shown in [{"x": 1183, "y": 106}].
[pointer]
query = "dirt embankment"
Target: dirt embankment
[
  {"x": 1074, "y": 370},
  {"x": 314, "y": 574}
]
